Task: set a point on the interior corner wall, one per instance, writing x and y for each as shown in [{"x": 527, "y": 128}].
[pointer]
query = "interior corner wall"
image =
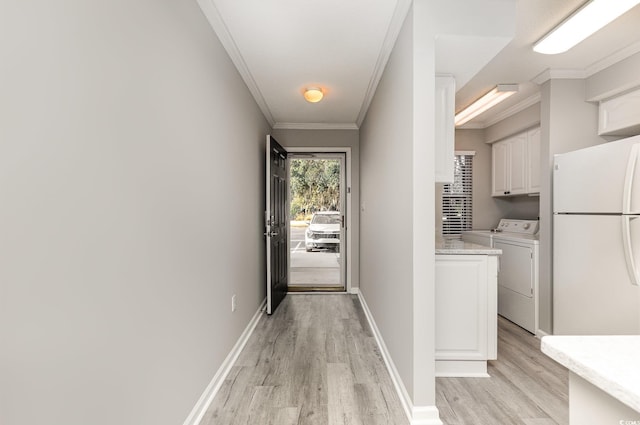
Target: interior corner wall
[
  {"x": 568, "y": 122},
  {"x": 132, "y": 191},
  {"x": 386, "y": 182},
  {"x": 329, "y": 139}
]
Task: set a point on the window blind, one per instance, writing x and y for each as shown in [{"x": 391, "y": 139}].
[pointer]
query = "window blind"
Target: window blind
[{"x": 457, "y": 200}]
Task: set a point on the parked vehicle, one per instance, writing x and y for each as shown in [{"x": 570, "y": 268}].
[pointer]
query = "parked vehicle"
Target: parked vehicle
[{"x": 323, "y": 231}]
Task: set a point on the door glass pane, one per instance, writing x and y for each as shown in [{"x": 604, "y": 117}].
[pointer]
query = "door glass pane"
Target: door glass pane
[{"x": 316, "y": 223}]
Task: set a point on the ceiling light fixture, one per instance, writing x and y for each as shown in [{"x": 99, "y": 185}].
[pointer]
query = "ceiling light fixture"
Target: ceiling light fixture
[
  {"x": 495, "y": 96},
  {"x": 313, "y": 94},
  {"x": 585, "y": 21}
]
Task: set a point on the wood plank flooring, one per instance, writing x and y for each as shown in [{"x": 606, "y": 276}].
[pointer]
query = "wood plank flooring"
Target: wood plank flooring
[
  {"x": 316, "y": 362},
  {"x": 526, "y": 387},
  {"x": 313, "y": 362}
]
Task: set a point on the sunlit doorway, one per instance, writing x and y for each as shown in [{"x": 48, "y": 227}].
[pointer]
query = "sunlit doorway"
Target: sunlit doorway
[{"x": 317, "y": 222}]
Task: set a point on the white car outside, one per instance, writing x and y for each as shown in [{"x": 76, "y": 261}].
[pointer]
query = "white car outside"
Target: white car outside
[{"x": 323, "y": 231}]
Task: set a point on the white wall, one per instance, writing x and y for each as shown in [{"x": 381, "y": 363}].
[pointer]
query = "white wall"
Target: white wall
[
  {"x": 131, "y": 184},
  {"x": 328, "y": 139}
]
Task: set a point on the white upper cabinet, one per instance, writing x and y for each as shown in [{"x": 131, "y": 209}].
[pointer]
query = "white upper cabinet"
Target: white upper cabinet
[
  {"x": 445, "y": 128},
  {"x": 620, "y": 116},
  {"x": 500, "y": 173},
  {"x": 516, "y": 164}
]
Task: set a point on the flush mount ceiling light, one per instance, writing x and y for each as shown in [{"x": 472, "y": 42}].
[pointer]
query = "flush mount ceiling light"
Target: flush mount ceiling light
[
  {"x": 592, "y": 16},
  {"x": 313, "y": 94},
  {"x": 495, "y": 96}
]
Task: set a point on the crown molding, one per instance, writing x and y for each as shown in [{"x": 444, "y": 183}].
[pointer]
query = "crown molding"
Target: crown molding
[
  {"x": 314, "y": 126},
  {"x": 612, "y": 59},
  {"x": 399, "y": 15},
  {"x": 217, "y": 23},
  {"x": 578, "y": 74},
  {"x": 471, "y": 125},
  {"x": 512, "y": 110},
  {"x": 559, "y": 74}
]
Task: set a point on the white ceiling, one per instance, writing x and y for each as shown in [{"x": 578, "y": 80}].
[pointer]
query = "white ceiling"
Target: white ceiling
[{"x": 282, "y": 46}]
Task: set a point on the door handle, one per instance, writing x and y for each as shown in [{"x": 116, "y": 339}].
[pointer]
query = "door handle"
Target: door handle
[
  {"x": 627, "y": 191},
  {"x": 627, "y": 244}
]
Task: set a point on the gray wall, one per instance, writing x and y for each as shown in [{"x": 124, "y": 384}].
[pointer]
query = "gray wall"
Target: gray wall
[
  {"x": 486, "y": 209},
  {"x": 386, "y": 183},
  {"x": 568, "y": 123},
  {"x": 397, "y": 208},
  {"x": 341, "y": 139},
  {"x": 614, "y": 80},
  {"x": 132, "y": 198},
  {"x": 514, "y": 124}
]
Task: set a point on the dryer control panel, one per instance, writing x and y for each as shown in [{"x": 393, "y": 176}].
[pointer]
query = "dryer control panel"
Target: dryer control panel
[{"x": 525, "y": 227}]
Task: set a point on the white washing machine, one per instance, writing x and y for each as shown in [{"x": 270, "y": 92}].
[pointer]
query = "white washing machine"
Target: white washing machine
[{"x": 518, "y": 275}]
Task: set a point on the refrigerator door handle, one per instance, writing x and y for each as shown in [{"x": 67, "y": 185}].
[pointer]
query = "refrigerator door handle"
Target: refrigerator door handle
[
  {"x": 627, "y": 190},
  {"x": 629, "y": 258}
]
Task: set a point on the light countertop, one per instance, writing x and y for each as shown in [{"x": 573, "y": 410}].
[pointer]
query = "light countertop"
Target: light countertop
[
  {"x": 611, "y": 363},
  {"x": 457, "y": 247}
]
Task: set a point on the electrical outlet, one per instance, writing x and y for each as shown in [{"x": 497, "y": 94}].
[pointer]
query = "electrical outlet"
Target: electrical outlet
[{"x": 234, "y": 305}]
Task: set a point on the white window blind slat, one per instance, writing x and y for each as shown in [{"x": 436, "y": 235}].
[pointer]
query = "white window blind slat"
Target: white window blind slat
[{"x": 457, "y": 198}]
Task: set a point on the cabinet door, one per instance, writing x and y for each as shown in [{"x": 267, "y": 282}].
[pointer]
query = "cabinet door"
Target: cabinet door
[
  {"x": 518, "y": 164},
  {"x": 533, "y": 160},
  {"x": 500, "y": 169},
  {"x": 462, "y": 303},
  {"x": 619, "y": 116}
]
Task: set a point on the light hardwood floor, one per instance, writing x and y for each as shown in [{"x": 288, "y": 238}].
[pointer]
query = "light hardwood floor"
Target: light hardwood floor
[
  {"x": 526, "y": 387},
  {"x": 315, "y": 362}
]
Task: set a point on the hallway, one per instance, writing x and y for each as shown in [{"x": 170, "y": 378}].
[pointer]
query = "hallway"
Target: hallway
[{"x": 314, "y": 362}]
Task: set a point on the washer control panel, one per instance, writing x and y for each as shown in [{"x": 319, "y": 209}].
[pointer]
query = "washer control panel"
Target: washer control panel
[{"x": 525, "y": 227}]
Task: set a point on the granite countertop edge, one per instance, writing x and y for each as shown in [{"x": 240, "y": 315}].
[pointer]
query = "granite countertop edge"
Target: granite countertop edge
[{"x": 608, "y": 362}]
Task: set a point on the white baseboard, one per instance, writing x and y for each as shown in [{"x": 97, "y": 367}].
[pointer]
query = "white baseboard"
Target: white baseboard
[
  {"x": 212, "y": 389},
  {"x": 354, "y": 291},
  {"x": 425, "y": 415},
  {"x": 417, "y": 415},
  {"x": 540, "y": 333}
]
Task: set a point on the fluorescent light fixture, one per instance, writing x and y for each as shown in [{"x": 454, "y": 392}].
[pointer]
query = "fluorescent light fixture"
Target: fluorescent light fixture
[
  {"x": 585, "y": 21},
  {"x": 495, "y": 96},
  {"x": 313, "y": 94}
]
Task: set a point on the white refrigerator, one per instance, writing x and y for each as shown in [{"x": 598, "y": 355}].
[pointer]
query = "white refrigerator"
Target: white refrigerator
[{"x": 596, "y": 240}]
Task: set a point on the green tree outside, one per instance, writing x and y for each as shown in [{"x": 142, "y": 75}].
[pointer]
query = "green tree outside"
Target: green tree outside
[{"x": 315, "y": 186}]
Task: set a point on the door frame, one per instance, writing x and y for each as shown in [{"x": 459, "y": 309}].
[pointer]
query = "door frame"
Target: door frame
[{"x": 346, "y": 151}]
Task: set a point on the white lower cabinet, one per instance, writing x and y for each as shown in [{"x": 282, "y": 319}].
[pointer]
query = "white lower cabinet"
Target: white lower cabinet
[{"x": 466, "y": 314}]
